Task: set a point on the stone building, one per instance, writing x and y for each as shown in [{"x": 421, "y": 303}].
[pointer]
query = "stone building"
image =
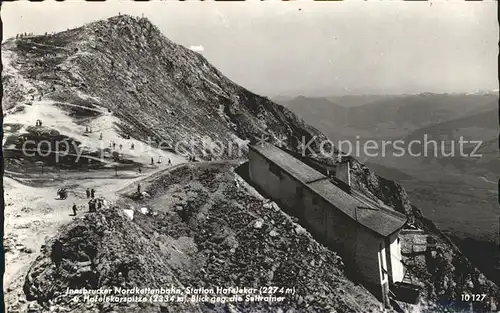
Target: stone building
[{"x": 363, "y": 231}]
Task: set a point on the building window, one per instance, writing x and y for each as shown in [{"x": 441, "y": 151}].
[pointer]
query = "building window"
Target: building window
[
  {"x": 275, "y": 170},
  {"x": 300, "y": 192}
]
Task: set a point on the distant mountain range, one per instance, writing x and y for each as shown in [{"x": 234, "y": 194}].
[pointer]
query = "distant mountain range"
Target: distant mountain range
[{"x": 390, "y": 116}]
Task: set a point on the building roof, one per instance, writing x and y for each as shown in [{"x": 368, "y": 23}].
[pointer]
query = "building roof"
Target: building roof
[
  {"x": 293, "y": 166},
  {"x": 384, "y": 221},
  {"x": 368, "y": 214}
]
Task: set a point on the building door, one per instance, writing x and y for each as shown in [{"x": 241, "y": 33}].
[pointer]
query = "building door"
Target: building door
[
  {"x": 382, "y": 262},
  {"x": 384, "y": 279}
]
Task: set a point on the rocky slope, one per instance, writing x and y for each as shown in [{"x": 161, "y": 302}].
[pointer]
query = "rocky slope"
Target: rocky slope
[
  {"x": 125, "y": 72},
  {"x": 201, "y": 230}
]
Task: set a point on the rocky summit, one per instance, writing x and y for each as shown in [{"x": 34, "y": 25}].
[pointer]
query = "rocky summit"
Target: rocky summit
[{"x": 154, "y": 87}]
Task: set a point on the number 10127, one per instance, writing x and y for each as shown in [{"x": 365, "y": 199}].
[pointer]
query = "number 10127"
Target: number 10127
[{"x": 473, "y": 297}]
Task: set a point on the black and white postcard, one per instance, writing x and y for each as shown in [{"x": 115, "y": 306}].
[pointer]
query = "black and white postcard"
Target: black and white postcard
[{"x": 250, "y": 156}]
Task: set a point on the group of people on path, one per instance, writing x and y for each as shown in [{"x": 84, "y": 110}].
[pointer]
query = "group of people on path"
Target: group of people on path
[
  {"x": 90, "y": 193},
  {"x": 120, "y": 146},
  {"x": 112, "y": 144},
  {"x": 88, "y": 129},
  {"x": 94, "y": 203},
  {"x": 169, "y": 162}
]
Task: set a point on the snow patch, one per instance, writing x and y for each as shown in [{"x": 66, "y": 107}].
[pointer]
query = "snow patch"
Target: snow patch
[{"x": 130, "y": 213}]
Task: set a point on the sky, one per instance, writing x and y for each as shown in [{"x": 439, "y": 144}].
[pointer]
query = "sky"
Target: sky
[{"x": 308, "y": 48}]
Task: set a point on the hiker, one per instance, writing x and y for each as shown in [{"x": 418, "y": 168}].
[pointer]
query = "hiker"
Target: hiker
[
  {"x": 140, "y": 170},
  {"x": 120, "y": 146},
  {"x": 132, "y": 146},
  {"x": 159, "y": 159},
  {"x": 99, "y": 204},
  {"x": 152, "y": 161},
  {"x": 100, "y": 136},
  {"x": 62, "y": 193},
  {"x": 74, "y": 209},
  {"x": 139, "y": 188},
  {"x": 169, "y": 162},
  {"x": 91, "y": 205},
  {"x": 114, "y": 145},
  {"x": 90, "y": 129},
  {"x": 86, "y": 129},
  {"x": 92, "y": 193},
  {"x": 88, "y": 193}
]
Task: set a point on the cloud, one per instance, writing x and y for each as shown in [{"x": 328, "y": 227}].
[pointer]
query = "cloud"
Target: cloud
[
  {"x": 197, "y": 48},
  {"x": 221, "y": 19}
]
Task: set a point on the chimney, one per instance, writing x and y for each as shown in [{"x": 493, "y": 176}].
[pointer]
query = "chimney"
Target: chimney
[{"x": 343, "y": 172}]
